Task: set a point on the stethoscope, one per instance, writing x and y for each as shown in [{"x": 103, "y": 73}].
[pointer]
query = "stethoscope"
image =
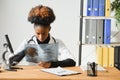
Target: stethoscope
[{"x": 32, "y": 40}]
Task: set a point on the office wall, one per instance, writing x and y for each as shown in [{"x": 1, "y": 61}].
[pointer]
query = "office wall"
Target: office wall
[{"x": 13, "y": 21}]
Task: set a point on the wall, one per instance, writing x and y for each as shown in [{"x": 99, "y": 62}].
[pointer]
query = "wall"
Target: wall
[{"x": 13, "y": 21}]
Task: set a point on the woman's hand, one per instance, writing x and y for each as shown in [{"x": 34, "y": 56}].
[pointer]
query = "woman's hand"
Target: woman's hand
[
  {"x": 31, "y": 51},
  {"x": 45, "y": 64}
]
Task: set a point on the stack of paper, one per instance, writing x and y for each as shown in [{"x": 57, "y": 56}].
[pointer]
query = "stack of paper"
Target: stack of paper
[{"x": 60, "y": 71}]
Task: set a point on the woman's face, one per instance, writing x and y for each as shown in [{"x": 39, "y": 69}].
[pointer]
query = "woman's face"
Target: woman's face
[{"x": 41, "y": 32}]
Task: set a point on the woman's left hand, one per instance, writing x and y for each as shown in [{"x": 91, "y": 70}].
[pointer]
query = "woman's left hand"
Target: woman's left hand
[{"x": 45, "y": 64}]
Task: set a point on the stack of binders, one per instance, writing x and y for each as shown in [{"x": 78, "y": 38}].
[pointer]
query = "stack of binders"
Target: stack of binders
[
  {"x": 108, "y": 56},
  {"x": 98, "y": 7},
  {"x": 98, "y": 31},
  {"x": 94, "y": 31}
]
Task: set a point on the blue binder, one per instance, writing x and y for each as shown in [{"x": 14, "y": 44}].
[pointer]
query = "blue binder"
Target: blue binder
[
  {"x": 89, "y": 7},
  {"x": 95, "y": 7},
  {"x": 101, "y": 7},
  {"x": 107, "y": 31}
]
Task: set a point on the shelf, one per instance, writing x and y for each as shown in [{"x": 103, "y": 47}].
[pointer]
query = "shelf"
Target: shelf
[
  {"x": 97, "y": 17},
  {"x": 112, "y": 44}
]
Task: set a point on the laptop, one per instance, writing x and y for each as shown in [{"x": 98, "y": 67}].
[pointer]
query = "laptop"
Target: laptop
[{"x": 41, "y": 52}]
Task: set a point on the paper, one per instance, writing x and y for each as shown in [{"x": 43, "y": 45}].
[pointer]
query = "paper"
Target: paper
[{"x": 60, "y": 71}]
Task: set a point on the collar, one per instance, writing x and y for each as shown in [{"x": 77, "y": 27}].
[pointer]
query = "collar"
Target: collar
[
  {"x": 44, "y": 42},
  {"x": 50, "y": 41}
]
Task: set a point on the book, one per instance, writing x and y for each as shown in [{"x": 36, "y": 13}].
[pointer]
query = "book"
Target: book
[
  {"x": 107, "y": 31},
  {"x": 101, "y": 7},
  {"x": 60, "y": 71}
]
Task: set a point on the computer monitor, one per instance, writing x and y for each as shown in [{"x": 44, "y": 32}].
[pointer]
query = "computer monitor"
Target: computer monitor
[{"x": 42, "y": 52}]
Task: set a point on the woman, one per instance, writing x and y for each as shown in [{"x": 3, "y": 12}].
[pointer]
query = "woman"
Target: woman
[{"x": 42, "y": 17}]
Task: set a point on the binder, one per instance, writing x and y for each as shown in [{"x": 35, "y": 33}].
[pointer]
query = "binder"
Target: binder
[
  {"x": 111, "y": 56},
  {"x": 105, "y": 56},
  {"x": 90, "y": 32},
  {"x": 107, "y": 31},
  {"x": 87, "y": 30},
  {"x": 95, "y": 7},
  {"x": 117, "y": 57},
  {"x": 99, "y": 31},
  {"x": 99, "y": 54},
  {"x": 107, "y": 7},
  {"x": 89, "y": 7},
  {"x": 92, "y": 39},
  {"x": 101, "y": 7}
]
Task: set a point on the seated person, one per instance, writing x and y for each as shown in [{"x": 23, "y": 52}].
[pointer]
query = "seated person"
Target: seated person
[{"x": 42, "y": 16}]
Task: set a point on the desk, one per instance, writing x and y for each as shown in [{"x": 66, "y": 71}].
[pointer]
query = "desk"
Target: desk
[{"x": 34, "y": 73}]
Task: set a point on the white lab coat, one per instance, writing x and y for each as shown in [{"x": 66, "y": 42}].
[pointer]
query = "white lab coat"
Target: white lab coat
[{"x": 63, "y": 54}]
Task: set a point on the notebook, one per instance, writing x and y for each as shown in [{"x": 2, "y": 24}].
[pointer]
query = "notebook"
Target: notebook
[
  {"x": 60, "y": 71},
  {"x": 42, "y": 52}
]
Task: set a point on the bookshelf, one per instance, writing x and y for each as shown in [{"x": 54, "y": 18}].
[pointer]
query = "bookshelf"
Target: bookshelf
[
  {"x": 96, "y": 26},
  {"x": 98, "y": 17},
  {"x": 80, "y": 32},
  {"x": 83, "y": 20},
  {"x": 107, "y": 54}
]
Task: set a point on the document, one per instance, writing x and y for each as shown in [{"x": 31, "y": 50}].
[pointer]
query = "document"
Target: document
[{"x": 60, "y": 71}]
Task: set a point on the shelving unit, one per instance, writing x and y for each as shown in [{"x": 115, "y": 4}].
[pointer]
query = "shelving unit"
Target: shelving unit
[
  {"x": 80, "y": 31},
  {"x": 82, "y": 18},
  {"x": 97, "y": 17}
]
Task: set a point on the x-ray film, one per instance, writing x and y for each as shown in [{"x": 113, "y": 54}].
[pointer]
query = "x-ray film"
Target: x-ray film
[{"x": 41, "y": 52}]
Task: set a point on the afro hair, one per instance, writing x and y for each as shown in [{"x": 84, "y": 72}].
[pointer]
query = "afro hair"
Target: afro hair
[{"x": 41, "y": 15}]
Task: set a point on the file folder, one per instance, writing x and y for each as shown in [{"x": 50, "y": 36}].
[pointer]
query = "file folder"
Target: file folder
[
  {"x": 93, "y": 27},
  {"x": 107, "y": 31},
  {"x": 99, "y": 31},
  {"x": 87, "y": 30},
  {"x": 99, "y": 52},
  {"x": 101, "y": 7},
  {"x": 90, "y": 32},
  {"x": 111, "y": 56},
  {"x": 105, "y": 56},
  {"x": 89, "y": 7},
  {"x": 107, "y": 7},
  {"x": 95, "y": 7}
]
